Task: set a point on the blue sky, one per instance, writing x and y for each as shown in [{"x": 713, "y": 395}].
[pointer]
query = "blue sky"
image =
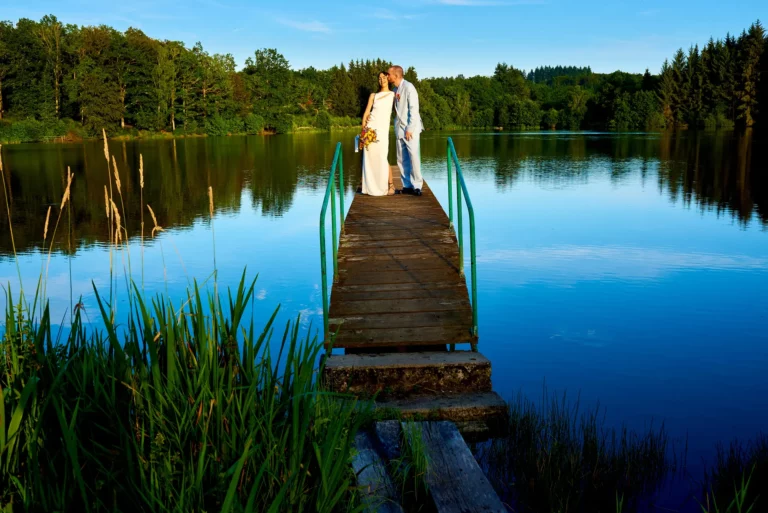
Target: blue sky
[{"x": 438, "y": 37}]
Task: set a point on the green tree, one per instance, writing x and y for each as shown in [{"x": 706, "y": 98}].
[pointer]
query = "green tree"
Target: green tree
[
  {"x": 751, "y": 48},
  {"x": 550, "y": 119},
  {"x": 342, "y": 96},
  {"x": 51, "y": 33},
  {"x": 5, "y": 57}
]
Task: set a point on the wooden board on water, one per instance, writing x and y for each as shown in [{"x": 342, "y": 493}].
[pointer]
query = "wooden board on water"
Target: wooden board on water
[
  {"x": 399, "y": 282},
  {"x": 378, "y": 492},
  {"x": 455, "y": 480}
]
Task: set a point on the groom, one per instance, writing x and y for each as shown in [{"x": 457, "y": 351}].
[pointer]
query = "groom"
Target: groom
[{"x": 408, "y": 127}]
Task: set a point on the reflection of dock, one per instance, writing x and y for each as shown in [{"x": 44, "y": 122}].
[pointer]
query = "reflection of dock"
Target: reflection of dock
[{"x": 398, "y": 307}]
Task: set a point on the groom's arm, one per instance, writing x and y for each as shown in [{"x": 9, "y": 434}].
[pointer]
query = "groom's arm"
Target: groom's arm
[{"x": 414, "y": 118}]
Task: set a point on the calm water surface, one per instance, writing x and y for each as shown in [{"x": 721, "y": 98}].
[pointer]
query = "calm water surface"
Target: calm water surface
[{"x": 628, "y": 268}]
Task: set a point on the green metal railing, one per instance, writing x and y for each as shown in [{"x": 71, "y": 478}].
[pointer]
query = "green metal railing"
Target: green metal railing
[
  {"x": 337, "y": 168},
  {"x": 461, "y": 192}
]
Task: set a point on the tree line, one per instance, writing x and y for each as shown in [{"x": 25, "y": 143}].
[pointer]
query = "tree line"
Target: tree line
[{"x": 57, "y": 78}]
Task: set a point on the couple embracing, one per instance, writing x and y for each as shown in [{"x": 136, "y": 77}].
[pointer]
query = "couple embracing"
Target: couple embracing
[{"x": 377, "y": 175}]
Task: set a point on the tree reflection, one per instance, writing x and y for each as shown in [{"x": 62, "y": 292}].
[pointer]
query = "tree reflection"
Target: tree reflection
[{"x": 723, "y": 172}]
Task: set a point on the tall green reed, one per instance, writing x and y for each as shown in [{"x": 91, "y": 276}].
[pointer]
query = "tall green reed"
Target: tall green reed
[
  {"x": 557, "y": 458},
  {"x": 177, "y": 411}
]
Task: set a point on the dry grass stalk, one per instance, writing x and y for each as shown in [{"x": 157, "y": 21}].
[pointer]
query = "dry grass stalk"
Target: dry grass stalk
[
  {"x": 65, "y": 197},
  {"x": 118, "y": 227},
  {"x": 210, "y": 199},
  {"x": 141, "y": 170},
  {"x": 106, "y": 148},
  {"x": 106, "y": 201},
  {"x": 157, "y": 227},
  {"x": 47, "y": 218},
  {"x": 117, "y": 176}
]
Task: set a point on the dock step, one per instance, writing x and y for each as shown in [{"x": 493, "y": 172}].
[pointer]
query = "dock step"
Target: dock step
[
  {"x": 397, "y": 375},
  {"x": 478, "y": 415}
]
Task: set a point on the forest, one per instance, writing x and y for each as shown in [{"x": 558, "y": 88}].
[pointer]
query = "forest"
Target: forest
[{"x": 59, "y": 80}]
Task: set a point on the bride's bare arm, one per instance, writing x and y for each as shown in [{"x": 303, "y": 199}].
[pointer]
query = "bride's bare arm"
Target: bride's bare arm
[{"x": 367, "y": 111}]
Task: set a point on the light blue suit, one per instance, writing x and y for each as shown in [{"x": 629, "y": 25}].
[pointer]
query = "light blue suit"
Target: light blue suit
[{"x": 408, "y": 119}]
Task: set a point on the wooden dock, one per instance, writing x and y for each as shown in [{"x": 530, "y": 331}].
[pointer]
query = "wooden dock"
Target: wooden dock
[
  {"x": 399, "y": 304},
  {"x": 399, "y": 281}
]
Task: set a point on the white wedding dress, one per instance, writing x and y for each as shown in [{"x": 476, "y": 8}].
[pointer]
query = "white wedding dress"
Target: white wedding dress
[{"x": 375, "y": 163}]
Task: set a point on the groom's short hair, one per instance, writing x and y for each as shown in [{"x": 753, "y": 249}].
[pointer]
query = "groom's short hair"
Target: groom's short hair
[{"x": 398, "y": 70}]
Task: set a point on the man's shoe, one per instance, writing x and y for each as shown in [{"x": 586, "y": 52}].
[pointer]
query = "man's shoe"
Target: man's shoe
[
  {"x": 417, "y": 192},
  {"x": 407, "y": 190}
]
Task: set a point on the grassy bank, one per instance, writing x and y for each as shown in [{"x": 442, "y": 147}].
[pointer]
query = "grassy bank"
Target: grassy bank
[{"x": 68, "y": 130}]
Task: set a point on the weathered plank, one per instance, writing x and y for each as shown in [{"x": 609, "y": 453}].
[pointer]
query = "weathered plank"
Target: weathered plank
[
  {"x": 372, "y": 295},
  {"x": 455, "y": 480},
  {"x": 398, "y": 337},
  {"x": 378, "y": 493},
  {"x": 385, "y": 277},
  {"x": 411, "y": 320}
]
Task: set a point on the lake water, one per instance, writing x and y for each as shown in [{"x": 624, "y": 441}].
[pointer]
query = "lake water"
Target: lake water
[{"x": 628, "y": 268}]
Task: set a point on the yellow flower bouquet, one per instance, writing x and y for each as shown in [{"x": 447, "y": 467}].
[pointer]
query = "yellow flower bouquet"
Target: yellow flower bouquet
[{"x": 367, "y": 136}]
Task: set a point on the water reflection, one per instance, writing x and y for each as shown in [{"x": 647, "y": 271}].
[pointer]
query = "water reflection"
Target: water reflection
[{"x": 724, "y": 172}]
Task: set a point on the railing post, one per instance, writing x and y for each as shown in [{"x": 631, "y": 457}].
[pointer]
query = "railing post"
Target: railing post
[
  {"x": 459, "y": 218},
  {"x": 324, "y": 275},
  {"x": 342, "y": 189},
  {"x": 473, "y": 261},
  {"x": 450, "y": 179},
  {"x": 333, "y": 230}
]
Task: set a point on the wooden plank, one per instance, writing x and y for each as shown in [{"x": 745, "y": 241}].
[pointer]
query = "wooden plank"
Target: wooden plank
[
  {"x": 416, "y": 249},
  {"x": 406, "y": 243},
  {"x": 378, "y": 492},
  {"x": 362, "y": 267},
  {"x": 374, "y": 306},
  {"x": 386, "y": 235},
  {"x": 381, "y": 256},
  {"x": 375, "y": 295},
  {"x": 411, "y": 320},
  {"x": 381, "y": 278},
  {"x": 397, "y": 286},
  {"x": 388, "y": 433},
  {"x": 399, "y": 336},
  {"x": 455, "y": 480}
]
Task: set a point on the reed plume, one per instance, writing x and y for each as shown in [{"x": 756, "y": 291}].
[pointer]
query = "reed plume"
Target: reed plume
[
  {"x": 64, "y": 200},
  {"x": 106, "y": 201},
  {"x": 117, "y": 176},
  {"x": 106, "y": 148},
  {"x": 47, "y": 218},
  {"x": 157, "y": 227},
  {"x": 213, "y": 236},
  {"x": 118, "y": 226}
]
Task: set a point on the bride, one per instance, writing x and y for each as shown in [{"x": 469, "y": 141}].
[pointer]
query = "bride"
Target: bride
[{"x": 377, "y": 175}]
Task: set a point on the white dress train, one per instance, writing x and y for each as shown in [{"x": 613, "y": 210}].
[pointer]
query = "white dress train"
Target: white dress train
[{"x": 375, "y": 163}]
